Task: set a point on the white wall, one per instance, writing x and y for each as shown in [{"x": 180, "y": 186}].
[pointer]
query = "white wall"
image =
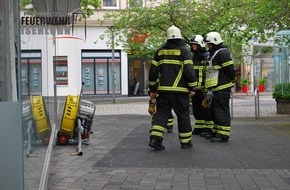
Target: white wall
[{"x": 71, "y": 48}]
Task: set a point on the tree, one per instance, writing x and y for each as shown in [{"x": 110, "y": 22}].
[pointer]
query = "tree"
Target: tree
[
  {"x": 237, "y": 20},
  {"x": 268, "y": 17}
]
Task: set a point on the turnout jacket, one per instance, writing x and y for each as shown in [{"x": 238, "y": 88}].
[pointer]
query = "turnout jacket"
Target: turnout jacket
[
  {"x": 199, "y": 59},
  {"x": 172, "y": 69},
  {"x": 221, "y": 69}
]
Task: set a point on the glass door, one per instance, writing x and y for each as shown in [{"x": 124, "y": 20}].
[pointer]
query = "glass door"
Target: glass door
[
  {"x": 88, "y": 79},
  {"x": 101, "y": 73}
]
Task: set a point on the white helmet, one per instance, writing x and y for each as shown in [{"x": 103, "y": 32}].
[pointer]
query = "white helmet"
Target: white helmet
[
  {"x": 197, "y": 39},
  {"x": 173, "y": 33},
  {"x": 213, "y": 38}
]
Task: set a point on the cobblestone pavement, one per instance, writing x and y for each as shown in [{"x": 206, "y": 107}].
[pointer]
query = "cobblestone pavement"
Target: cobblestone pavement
[
  {"x": 242, "y": 105},
  {"x": 118, "y": 156}
]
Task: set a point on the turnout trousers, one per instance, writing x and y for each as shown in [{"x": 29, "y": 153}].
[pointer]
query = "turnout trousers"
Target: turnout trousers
[
  {"x": 179, "y": 102},
  {"x": 203, "y": 119},
  {"x": 221, "y": 112}
]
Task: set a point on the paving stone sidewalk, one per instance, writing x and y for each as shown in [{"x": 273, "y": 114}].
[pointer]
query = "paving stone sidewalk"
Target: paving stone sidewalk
[{"x": 118, "y": 157}]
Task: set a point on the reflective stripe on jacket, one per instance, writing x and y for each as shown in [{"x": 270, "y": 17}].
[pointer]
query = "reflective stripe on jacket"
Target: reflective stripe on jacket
[
  {"x": 200, "y": 67},
  {"x": 221, "y": 71},
  {"x": 172, "y": 69}
]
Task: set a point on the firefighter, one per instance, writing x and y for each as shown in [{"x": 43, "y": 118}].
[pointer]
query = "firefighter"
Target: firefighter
[
  {"x": 203, "y": 122},
  {"x": 219, "y": 81},
  {"x": 172, "y": 76}
]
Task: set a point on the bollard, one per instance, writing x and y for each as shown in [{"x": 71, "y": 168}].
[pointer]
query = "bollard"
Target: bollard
[{"x": 257, "y": 104}]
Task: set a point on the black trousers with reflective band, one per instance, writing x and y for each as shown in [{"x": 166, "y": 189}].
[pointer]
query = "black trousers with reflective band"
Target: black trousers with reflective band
[
  {"x": 179, "y": 102},
  {"x": 199, "y": 112},
  {"x": 221, "y": 112}
]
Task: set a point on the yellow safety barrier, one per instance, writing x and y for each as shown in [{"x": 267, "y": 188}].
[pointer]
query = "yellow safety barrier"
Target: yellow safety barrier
[
  {"x": 68, "y": 119},
  {"x": 41, "y": 119}
]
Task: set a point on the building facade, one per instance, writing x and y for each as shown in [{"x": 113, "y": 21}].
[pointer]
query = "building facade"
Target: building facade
[{"x": 73, "y": 57}]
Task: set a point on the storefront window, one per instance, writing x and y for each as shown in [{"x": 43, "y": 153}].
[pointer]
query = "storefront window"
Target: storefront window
[
  {"x": 109, "y": 3},
  {"x": 31, "y": 74},
  {"x": 97, "y": 73},
  {"x": 61, "y": 70}
]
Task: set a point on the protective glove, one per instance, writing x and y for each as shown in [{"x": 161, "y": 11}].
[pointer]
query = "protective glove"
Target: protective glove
[
  {"x": 206, "y": 103},
  {"x": 152, "y": 106}
]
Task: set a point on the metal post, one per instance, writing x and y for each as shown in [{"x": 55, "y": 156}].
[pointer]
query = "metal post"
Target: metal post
[
  {"x": 113, "y": 63},
  {"x": 55, "y": 85},
  {"x": 248, "y": 77},
  {"x": 144, "y": 78},
  {"x": 257, "y": 104},
  {"x": 80, "y": 130}
]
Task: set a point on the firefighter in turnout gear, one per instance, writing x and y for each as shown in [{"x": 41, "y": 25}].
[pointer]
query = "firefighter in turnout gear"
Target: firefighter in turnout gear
[
  {"x": 172, "y": 76},
  {"x": 203, "y": 122},
  {"x": 220, "y": 80}
]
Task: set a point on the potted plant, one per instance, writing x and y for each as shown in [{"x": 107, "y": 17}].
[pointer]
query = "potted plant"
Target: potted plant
[
  {"x": 261, "y": 84},
  {"x": 245, "y": 83},
  {"x": 281, "y": 94}
]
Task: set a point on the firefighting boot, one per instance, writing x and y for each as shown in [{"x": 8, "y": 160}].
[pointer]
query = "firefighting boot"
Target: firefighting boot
[
  {"x": 210, "y": 135},
  {"x": 197, "y": 131},
  {"x": 205, "y": 132},
  {"x": 156, "y": 144},
  {"x": 186, "y": 145},
  {"x": 219, "y": 138}
]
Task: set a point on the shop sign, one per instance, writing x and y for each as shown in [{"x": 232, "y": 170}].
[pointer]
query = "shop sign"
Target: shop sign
[{"x": 45, "y": 24}]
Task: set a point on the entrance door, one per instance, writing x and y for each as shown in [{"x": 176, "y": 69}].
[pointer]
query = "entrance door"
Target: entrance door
[{"x": 138, "y": 76}]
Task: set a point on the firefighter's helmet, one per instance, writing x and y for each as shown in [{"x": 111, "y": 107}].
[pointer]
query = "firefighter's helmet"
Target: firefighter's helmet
[
  {"x": 173, "y": 33},
  {"x": 197, "y": 39},
  {"x": 213, "y": 38}
]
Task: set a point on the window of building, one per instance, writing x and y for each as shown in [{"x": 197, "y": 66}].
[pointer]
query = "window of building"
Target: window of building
[
  {"x": 61, "y": 70},
  {"x": 110, "y": 3},
  {"x": 31, "y": 74},
  {"x": 179, "y": 2},
  {"x": 98, "y": 72},
  {"x": 135, "y": 3}
]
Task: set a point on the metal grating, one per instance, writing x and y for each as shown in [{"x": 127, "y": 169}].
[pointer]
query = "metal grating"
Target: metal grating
[{"x": 55, "y": 7}]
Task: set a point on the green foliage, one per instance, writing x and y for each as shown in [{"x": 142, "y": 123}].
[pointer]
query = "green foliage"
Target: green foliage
[
  {"x": 24, "y": 3},
  {"x": 262, "y": 80},
  {"x": 282, "y": 40},
  {"x": 266, "y": 17},
  {"x": 281, "y": 91},
  {"x": 245, "y": 81},
  {"x": 238, "y": 21},
  {"x": 88, "y": 6}
]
